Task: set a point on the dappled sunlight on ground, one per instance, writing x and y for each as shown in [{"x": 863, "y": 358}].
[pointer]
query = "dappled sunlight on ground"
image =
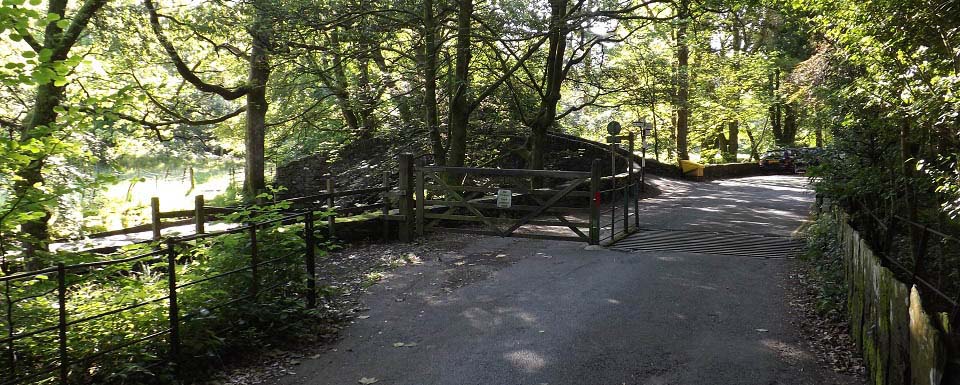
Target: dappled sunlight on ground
[
  {"x": 787, "y": 351},
  {"x": 763, "y": 205},
  {"x": 509, "y": 311},
  {"x": 526, "y": 360}
]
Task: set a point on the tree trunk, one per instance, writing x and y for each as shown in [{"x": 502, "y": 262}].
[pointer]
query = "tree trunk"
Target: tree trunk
[
  {"x": 683, "y": 81},
  {"x": 431, "y": 116},
  {"x": 754, "y": 144},
  {"x": 775, "y": 109},
  {"x": 733, "y": 145},
  {"x": 254, "y": 180},
  {"x": 733, "y": 137},
  {"x": 721, "y": 142},
  {"x": 819, "y": 135},
  {"x": 43, "y": 115},
  {"x": 41, "y": 122},
  {"x": 790, "y": 125},
  {"x": 775, "y": 124},
  {"x": 908, "y": 167},
  {"x": 554, "y": 65},
  {"x": 459, "y": 106},
  {"x": 656, "y": 138},
  {"x": 366, "y": 97},
  {"x": 339, "y": 84}
]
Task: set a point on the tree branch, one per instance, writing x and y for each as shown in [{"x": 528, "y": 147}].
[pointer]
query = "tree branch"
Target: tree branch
[
  {"x": 79, "y": 23},
  {"x": 182, "y": 68},
  {"x": 32, "y": 41},
  {"x": 157, "y": 125},
  {"x": 493, "y": 87}
]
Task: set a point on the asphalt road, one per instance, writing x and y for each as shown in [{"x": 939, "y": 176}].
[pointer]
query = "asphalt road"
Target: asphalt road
[{"x": 509, "y": 311}]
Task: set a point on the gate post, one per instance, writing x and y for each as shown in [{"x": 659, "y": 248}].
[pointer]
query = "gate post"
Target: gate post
[
  {"x": 331, "y": 202},
  {"x": 386, "y": 205},
  {"x": 155, "y": 223},
  {"x": 634, "y": 182},
  {"x": 628, "y": 187},
  {"x": 613, "y": 189},
  {"x": 421, "y": 200},
  {"x": 595, "y": 202},
  {"x": 406, "y": 196},
  {"x": 199, "y": 217}
]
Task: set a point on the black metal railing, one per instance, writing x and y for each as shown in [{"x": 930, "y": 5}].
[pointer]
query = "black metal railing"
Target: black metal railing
[
  {"x": 57, "y": 323},
  {"x": 929, "y": 261}
]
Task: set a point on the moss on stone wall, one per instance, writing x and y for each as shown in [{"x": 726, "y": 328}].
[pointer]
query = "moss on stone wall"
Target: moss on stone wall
[
  {"x": 899, "y": 340},
  {"x": 927, "y": 352}
]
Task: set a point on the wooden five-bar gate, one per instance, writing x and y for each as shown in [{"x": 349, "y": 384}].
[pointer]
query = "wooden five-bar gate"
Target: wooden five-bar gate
[{"x": 541, "y": 204}]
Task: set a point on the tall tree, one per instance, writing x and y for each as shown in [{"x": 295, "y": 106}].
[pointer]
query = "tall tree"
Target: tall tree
[
  {"x": 460, "y": 107},
  {"x": 682, "y": 105},
  {"x": 254, "y": 90},
  {"x": 556, "y": 72},
  {"x": 61, "y": 34},
  {"x": 461, "y": 104},
  {"x": 431, "y": 111}
]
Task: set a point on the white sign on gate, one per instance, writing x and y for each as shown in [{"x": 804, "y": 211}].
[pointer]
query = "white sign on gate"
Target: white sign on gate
[{"x": 504, "y": 198}]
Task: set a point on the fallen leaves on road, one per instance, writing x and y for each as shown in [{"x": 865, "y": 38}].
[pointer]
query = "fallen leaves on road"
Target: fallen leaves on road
[{"x": 827, "y": 333}]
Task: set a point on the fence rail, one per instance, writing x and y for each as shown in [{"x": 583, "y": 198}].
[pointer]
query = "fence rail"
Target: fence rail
[
  {"x": 174, "y": 252},
  {"x": 202, "y": 213},
  {"x": 466, "y": 194},
  {"x": 169, "y": 254}
]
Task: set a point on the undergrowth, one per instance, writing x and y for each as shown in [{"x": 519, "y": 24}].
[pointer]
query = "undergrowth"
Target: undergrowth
[
  {"x": 823, "y": 260},
  {"x": 217, "y": 320}
]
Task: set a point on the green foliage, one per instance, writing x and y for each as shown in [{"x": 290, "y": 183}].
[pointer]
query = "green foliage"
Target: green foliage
[
  {"x": 945, "y": 174},
  {"x": 345, "y": 73},
  {"x": 219, "y": 309},
  {"x": 889, "y": 96},
  {"x": 824, "y": 261}
]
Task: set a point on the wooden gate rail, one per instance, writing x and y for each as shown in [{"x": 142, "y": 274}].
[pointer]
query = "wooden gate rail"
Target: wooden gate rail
[
  {"x": 434, "y": 172},
  {"x": 523, "y": 190},
  {"x": 418, "y": 213},
  {"x": 507, "y": 172}
]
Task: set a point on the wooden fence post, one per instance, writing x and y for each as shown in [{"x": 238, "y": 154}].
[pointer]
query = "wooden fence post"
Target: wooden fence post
[
  {"x": 385, "y": 210},
  {"x": 155, "y": 217},
  {"x": 173, "y": 314},
  {"x": 62, "y": 325},
  {"x": 198, "y": 215},
  {"x": 331, "y": 219},
  {"x": 637, "y": 189},
  {"x": 595, "y": 202},
  {"x": 310, "y": 259},
  {"x": 406, "y": 196},
  {"x": 421, "y": 199}
]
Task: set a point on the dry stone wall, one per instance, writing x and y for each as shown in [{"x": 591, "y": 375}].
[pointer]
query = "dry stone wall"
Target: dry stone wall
[{"x": 900, "y": 341}]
